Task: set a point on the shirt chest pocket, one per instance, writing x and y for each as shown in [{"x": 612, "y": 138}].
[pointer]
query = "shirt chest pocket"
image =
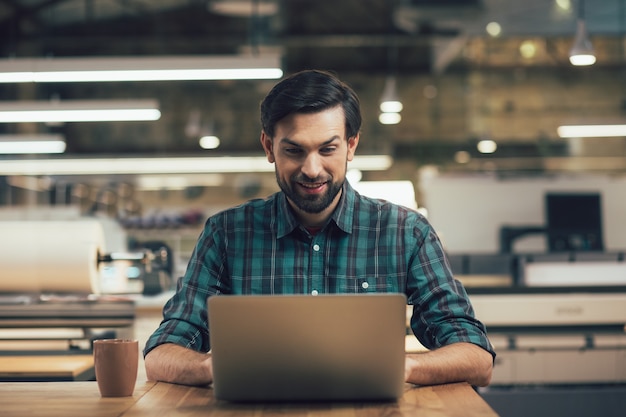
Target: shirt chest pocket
[
  {"x": 365, "y": 274},
  {"x": 364, "y": 285}
]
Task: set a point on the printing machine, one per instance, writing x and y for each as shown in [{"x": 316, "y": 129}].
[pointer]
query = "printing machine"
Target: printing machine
[
  {"x": 52, "y": 309},
  {"x": 57, "y": 322},
  {"x": 554, "y": 319},
  {"x": 54, "y": 324}
]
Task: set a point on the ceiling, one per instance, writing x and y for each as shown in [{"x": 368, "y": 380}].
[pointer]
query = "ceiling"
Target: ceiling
[
  {"x": 459, "y": 84},
  {"x": 345, "y": 35}
]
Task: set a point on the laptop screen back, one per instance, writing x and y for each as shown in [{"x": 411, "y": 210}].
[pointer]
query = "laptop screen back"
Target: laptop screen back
[{"x": 302, "y": 347}]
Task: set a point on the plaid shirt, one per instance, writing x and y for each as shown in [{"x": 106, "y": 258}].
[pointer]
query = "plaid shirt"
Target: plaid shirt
[{"x": 367, "y": 246}]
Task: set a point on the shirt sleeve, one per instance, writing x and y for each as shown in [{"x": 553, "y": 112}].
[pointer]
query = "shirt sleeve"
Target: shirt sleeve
[
  {"x": 442, "y": 311},
  {"x": 185, "y": 318}
]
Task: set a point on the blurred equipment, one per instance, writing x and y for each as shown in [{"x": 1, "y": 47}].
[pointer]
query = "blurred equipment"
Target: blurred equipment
[
  {"x": 562, "y": 309},
  {"x": 50, "y": 256},
  {"x": 540, "y": 333},
  {"x": 574, "y": 222},
  {"x": 156, "y": 265},
  {"x": 51, "y": 305}
]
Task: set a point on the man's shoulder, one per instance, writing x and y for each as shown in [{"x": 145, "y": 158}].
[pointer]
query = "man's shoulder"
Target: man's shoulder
[
  {"x": 373, "y": 204},
  {"x": 249, "y": 208},
  {"x": 388, "y": 215}
]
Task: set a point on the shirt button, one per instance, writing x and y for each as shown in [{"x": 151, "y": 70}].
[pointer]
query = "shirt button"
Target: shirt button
[
  {"x": 365, "y": 285},
  {"x": 316, "y": 247},
  {"x": 314, "y": 292}
]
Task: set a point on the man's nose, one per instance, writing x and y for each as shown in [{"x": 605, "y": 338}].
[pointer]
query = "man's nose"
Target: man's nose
[{"x": 312, "y": 166}]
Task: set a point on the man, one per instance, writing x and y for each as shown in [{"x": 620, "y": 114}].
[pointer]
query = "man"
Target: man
[{"x": 317, "y": 235}]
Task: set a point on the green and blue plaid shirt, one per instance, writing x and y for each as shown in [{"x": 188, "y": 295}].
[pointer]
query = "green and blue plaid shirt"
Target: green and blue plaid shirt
[{"x": 367, "y": 246}]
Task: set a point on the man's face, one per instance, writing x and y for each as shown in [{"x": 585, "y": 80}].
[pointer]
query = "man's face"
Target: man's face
[{"x": 310, "y": 153}]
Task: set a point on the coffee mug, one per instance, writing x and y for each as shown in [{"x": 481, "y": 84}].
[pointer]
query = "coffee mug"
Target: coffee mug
[{"x": 116, "y": 362}]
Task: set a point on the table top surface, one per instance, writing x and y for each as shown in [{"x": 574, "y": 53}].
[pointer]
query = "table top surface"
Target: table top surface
[{"x": 79, "y": 399}]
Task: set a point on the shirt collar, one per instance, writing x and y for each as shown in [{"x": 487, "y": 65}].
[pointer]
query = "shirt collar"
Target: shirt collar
[
  {"x": 286, "y": 221},
  {"x": 344, "y": 212}
]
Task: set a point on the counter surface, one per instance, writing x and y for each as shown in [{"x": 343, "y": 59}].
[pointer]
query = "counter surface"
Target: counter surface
[
  {"x": 46, "y": 367},
  {"x": 79, "y": 399}
]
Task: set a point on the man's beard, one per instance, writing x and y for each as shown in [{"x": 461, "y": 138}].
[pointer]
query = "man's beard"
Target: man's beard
[{"x": 313, "y": 204}]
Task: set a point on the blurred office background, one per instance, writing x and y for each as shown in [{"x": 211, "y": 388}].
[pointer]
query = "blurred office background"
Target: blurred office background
[{"x": 484, "y": 143}]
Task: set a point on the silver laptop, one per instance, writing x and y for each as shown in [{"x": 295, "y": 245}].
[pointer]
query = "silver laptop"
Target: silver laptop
[{"x": 335, "y": 347}]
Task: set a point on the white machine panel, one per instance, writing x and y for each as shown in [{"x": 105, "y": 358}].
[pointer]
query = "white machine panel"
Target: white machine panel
[
  {"x": 542, "y": 274},
  {"x": 550, "y": 309}
]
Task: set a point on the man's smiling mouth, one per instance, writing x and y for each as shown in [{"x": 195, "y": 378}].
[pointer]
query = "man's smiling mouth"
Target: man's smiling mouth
[{"x": 311, "y": 185}]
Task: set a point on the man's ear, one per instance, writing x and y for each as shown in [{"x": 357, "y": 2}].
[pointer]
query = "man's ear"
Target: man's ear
[
  {"x": 353, "y": 142},
  {"x": 268, "y": 146}
]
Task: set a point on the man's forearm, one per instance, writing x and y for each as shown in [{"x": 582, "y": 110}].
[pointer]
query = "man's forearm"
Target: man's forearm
[
  {"x": 177, "y": 364},
  {"x": 453, "y": 363}
]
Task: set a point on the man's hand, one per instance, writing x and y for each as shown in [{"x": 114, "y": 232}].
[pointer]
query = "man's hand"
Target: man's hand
[{"x": 179, "y": 365}]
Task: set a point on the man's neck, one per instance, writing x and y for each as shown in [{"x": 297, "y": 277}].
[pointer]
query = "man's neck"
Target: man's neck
[{"x": 316, "y": 220}]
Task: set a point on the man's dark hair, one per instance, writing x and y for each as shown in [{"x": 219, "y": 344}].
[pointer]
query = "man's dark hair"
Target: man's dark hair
[{"x": 310, "y": 91}]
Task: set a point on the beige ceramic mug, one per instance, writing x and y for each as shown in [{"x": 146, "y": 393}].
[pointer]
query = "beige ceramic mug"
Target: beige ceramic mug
[{"x": 116, "y": 362}]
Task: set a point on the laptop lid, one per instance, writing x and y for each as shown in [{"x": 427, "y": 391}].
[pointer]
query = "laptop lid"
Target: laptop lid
[{"x": 303, "y": 347}]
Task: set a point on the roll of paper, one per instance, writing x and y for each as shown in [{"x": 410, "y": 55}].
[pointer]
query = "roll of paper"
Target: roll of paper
[{"x": 45, "y": 256}]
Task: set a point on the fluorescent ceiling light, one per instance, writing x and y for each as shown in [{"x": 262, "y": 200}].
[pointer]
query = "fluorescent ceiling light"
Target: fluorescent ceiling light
[
  {"x": 78, "y": 111},
  {"x": 371, "y": 162},
  {"x": 165, "y": 165},
  {"x": 178, "y": 182},
  {"x": 31, "y": 144},
  {"x": 153, "y": 68},
  {"x": 591, "y": 131}
]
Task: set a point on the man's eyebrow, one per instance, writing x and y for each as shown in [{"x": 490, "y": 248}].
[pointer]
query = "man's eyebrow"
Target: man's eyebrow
[
  {"x": 288, "y": 141},
  {"x": 294, "y": 143}
]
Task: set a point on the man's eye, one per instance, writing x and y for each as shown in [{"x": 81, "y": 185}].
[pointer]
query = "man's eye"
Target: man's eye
[
  {"x": 292, "y": 151},
  {"x": 329, "y": 149}
]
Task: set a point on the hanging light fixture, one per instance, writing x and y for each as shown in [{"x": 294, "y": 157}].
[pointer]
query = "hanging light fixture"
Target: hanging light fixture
[
  {"x": 390, "y": 104},
  {"x": 208, "y": 137},
  {"x": 389, "y": 101},
  {"x": 582, "y": 52}
]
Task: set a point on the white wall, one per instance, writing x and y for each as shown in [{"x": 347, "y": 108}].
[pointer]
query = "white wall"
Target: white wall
[
  {"x": 399, "y": 192},
  {"x": 467, "y": 211}
]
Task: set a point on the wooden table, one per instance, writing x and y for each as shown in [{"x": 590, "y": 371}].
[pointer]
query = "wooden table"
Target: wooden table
[{"x": 80, "y": 399}]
